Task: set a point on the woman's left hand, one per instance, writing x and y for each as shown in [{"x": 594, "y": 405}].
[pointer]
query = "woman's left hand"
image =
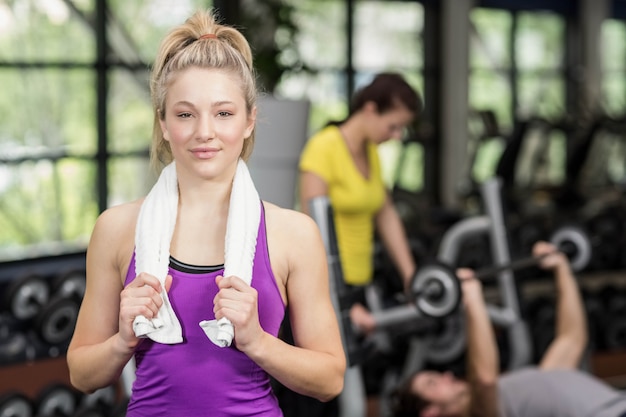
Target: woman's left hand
[{"x": 237, "y": 301}]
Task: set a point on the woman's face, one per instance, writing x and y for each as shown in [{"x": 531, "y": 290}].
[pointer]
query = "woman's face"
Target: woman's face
[
  {"x": 390, "y": 124},
  {"x": 206, "y": 121}
]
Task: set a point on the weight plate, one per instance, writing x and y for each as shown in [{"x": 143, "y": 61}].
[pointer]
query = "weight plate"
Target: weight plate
[
  {"x": 70, "y": 284},
  {"x": 26, "y": 295},
  {"x": 56, "y": 321},
  {"x": 579, "y": 240},
  {"x": 104, "y": 397},
  {"x": 15, "y": 405},
  {"x": 448, "y": 344},
  {"x": 56, "y": 399},
  {"x": 445, "y": 299}
]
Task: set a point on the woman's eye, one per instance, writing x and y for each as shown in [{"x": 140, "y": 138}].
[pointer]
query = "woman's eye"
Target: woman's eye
[
  {"x": 223, "y": 114},
  {"x": 184, "y": 115}
]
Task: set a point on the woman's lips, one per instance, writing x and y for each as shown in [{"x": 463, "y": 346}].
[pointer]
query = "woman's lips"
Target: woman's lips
[{"x": 204, "y": 153}]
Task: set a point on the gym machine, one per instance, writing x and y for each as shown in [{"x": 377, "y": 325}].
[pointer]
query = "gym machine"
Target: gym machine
[
  {"x": 434, "y": 297},
  {"x": 418, "y": 315}
]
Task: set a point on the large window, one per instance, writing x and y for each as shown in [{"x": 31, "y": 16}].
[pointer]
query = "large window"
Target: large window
[
  {"x": 75, "y": 116},
  {"x": 614, "y": 67},
  {"x": 387, "y": 36},
  {"x": 518, "y": 73}
]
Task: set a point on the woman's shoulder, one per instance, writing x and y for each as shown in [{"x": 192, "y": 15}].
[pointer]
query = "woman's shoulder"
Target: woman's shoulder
[
  {"x": 327, "y": 134},
  {"x": 293, "y": 239},
  {"x": 121, "y": 214},
  {"x": 118, "y": 222},
  {"x": 113, "y": 237},
  {"x": 288, "y": 222}
]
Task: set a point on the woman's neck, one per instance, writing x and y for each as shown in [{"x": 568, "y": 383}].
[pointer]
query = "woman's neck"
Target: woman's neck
[{"x": 353, "y": 135}]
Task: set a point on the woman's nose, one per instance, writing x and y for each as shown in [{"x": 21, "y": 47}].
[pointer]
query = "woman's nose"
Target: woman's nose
[{"x": 206, "y": 128}]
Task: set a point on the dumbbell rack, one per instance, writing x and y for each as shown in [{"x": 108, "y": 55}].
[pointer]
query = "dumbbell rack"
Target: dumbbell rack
[{"x": 29, "y": 364}]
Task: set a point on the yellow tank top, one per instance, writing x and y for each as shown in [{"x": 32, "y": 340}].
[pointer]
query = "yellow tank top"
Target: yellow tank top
[{"x": 354, "y": 198}]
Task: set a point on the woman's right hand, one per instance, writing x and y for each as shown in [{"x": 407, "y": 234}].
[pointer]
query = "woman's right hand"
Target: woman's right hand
[
  {"x": 362, "y": 319},
  {"x": 142, "y": 297}
]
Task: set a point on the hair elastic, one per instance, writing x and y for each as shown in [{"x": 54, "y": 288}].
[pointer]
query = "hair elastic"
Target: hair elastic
[{"x": 208, "y": 36}]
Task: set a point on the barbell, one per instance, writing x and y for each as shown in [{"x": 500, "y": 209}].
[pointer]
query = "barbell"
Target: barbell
[{"x": 435, "y": 289}]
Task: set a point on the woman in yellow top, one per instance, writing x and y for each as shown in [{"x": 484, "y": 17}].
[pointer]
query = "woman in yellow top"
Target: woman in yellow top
[{"x": 341, "y": 161}]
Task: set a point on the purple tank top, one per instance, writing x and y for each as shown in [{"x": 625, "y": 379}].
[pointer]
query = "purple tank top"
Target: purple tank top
[{"x": 195, "y": 377}]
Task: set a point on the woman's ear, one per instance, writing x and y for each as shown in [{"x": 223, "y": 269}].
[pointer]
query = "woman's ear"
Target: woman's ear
[
  {"x": 251, "y": 123},
  {"x": 370, "y": 107},
  {"x": 163, "y": 126}
]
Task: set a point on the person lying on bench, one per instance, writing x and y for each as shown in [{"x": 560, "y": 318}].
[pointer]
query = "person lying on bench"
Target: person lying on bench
[{"x": 554, "y": 387}]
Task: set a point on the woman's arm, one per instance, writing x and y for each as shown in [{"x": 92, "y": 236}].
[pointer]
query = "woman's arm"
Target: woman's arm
[
  {"x": 391, "y": 231},
  {"x": 311, "y": 186},
  {"x": 315, "y": 366},
  {"x": 103, "y": 339}
]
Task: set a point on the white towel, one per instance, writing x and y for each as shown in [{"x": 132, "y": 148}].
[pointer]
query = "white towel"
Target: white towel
[{"x": 153, "y": 235}]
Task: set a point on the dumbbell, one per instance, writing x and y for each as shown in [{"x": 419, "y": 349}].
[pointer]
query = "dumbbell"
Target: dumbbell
[
  {"x": 25, "y": 296},
  {"x": 14, "y": 404},
  {"x": 101, "y": 401},
  {"x": 436, "y": 291},
  {"x": 70, "y": 284},
  {"x": 56, "y": 321},
  {"x": 56, "y": 400},
  {"x": 52, "y": 318},
  {"x": 14, "y": 346}
]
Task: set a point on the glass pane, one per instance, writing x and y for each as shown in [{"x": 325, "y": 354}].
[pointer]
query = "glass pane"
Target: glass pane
[
  {"x": 541, "y": 96},
  {"x": 326, "y": 90},
  {"x": 411, "y": 168},
  {"x": 613, "y": 45},
  {"x": 542, "y": 158},
  {"x": 615, "y": 159},
  {"x": 540, "y": 40},
  {"x": 44, "y": 111},
  {"x": 389, "y": 153},
  {"x": 489, "y": 90},
  {"x": 614, "y": 93},
  {"x": 45, "y": 204},
  {"x": 39, "y": 31},
  {"x": 614, "y": 64},
  {"x": 129, "y": 179},
  {"x": 321, "y": 36},
  {"x": 388, "y": 35},
  {"x": 490, "y": 38},
  {"x": 137, "y": 26},
  {"x": 130, "y": 112},
  {"x": 402, "y": 164},
  {"x": 605, "y": 165},
  {"x": 486, "y": 160}
]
